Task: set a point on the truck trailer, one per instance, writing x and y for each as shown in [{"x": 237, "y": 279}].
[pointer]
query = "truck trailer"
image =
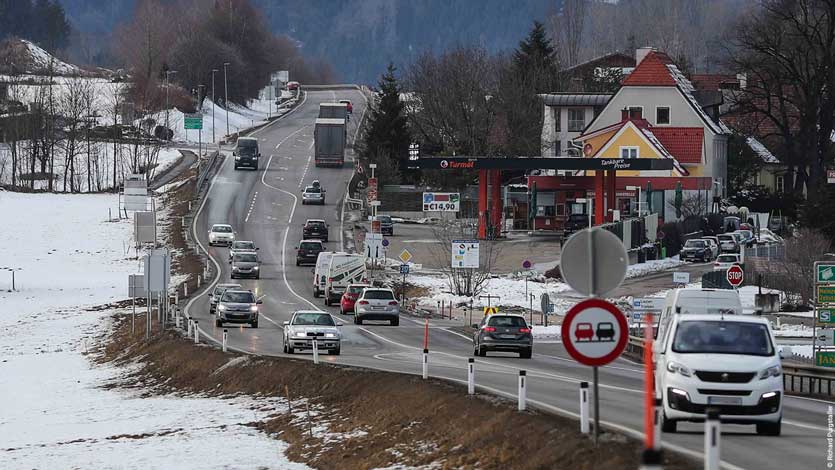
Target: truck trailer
[{"x": 329, "y": 142}]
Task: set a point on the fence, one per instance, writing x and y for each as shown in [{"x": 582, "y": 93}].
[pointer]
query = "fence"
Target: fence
[{"x": 770, "y": 252}]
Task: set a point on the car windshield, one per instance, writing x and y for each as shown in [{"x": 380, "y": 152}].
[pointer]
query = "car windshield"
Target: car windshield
[
  {"x": 316, "y": 224},
  {"x": 246, "y": 258},
  {"x": 222, "y": 229},
  {"x": 384, "y": 218},
  {"x": 727, "y": 259},
  {"x": 694, "y": 244},
  {"x": 238, "y": 297},
  {"x": 507, "y": 321},
  {"x": 726, "y": 238},
  {"x": 243, "y": 246},
  {"x": 722, "y": 337},
  {"x": 247, "y": 146},
  {"x": 313, "y": 318},
  {"x": 220, "y": 289},
  {"x": 356, "y": 289},
  {"x": 378, "y": 294},
  {"x": 311, "y": 246}
]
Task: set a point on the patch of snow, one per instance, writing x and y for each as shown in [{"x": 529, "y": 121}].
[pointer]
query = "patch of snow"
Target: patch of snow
[
  {"x": 802, "y": 350},
  {"x": 38, "y": 60},
  {"x": 761, "y": 150},
  {"x": 652, "y": 266},
  {"x": 550, "y": 331},
  {"x": 792, "y": 331}
]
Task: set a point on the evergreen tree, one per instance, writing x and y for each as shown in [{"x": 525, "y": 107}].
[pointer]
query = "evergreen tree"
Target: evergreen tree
[{"x": 387, "y": 138}]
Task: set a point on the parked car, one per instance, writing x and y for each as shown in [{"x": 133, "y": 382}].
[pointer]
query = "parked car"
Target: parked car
[
  {"x": 725, "y": 261},
  {"x": 246, "y": 265},
  {"x": 241, "y": 246},
  {"x": 728, "y": 362},
  {"x": 696, "y": 249},
  {"x": 313, "y": 195},
  {"x": 714, "y": 244},
  {"x": 292, "y": 86},
  {"x": 747, "y": 236},
  {"x": 575, "y": 222},
  {"x": 305, "y": 326},
  {"x": 386, "y": 225},
  {"x": 348, "y": 105},
  {"x": 349, "y": 298},
  {"x": 503, "y": 332},
  {"x": 237, "y": 306},
  {"x": 740, "y": 240},
  {"x": 728, "y": 243},
  {"x": 315, "y": 228},
  {"x": 377, "y": 304},
  {"x": 308, "y": 251},
  {"x": 221, "y": 234},
  {"x": 217, "y": 292}
]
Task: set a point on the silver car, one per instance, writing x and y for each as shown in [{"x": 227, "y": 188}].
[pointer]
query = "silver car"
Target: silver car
[
  {"x": 216, "y": 293},
  {"x": 313, "y": 195},
  {"x": 307, "y": 326},
  {"x": 377, "y": 304},
  {"x": 241, "y": 246},
  {"x": 221, "y": 234},
  {"x": 246, "y": 265},
  {"x": 237, "y": 306}
]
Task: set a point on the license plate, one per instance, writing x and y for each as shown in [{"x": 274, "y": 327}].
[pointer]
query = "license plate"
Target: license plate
[
  {"x": 507, "y": 336},
  {"x": 724, "y": 400}
]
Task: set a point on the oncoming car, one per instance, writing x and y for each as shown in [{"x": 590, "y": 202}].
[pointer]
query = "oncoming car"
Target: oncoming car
[
  {"x": 241, "y": 246},
  {"x": 221, "y": 234},
  {"x": 217, "y": 292},
  {"x": 307, "y": 326},
  {"x": 237, "y": 306}
]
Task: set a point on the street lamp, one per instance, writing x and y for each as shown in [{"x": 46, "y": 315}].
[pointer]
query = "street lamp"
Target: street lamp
[
  {"x": 167, "y": 85},
  {"x": 214, "y": 71},
  {"x": 636, "y": 188},
  {"x": 226, "y": 96}
]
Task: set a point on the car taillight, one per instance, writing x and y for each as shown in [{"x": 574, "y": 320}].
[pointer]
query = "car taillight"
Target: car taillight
[
  {"x": 524, "y": 330},
  {"x": 393, "y": 302},
  {"x": 301, "y": 251},
  {"x": 489, "y": 329},
  {"x": 363, "y": 302}
]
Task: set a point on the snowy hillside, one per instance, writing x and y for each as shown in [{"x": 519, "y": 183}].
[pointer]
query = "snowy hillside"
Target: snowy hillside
[{"x": 24, "y": 57}]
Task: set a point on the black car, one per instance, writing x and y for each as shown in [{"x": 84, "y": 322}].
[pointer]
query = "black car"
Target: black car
[
  {"x": 386, "y": 225},
  {"x": 315, "y": 228},
  {"x": 246, "y": 153},
  {"x": 575, "y": 222},
  {"x": 696, "y": 250},
  {"x": 308, "y": 251},
  {"x": 499, "y": 332}
]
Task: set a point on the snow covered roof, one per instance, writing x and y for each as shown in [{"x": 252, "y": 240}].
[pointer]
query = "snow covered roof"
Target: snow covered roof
[
  {"x": 687, "y": 90},
  {"x": 761, "y": 150}
]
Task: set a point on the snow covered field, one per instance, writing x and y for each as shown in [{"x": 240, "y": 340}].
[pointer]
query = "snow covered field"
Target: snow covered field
[{"x": 71, "y": 257}]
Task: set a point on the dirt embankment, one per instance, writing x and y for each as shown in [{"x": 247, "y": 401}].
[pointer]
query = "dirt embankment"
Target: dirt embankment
[{"x": 349, "y": 418}]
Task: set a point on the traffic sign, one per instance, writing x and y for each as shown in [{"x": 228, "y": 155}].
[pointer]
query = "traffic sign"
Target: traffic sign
[
  {"x": 371, "y": 192},
  {"x": 193, "y": 121},
  {"x": 824, "y": 272},
  {"x": 654, "y": 304},
  {"x": 594, "y": 262},
  {"x": 385, "y": 242},
  {"x": 405, "y": 256},
  {"x": 404, "y": 269},
  {"x": 526, "y": 264},
  {"x": 826, "y": 294},
  {"x": 826, "y": 316},
  {"x": 594, "y": 332},
  {"x": 490, "y": 310},
  {"x": 735, "y": 275},
  {"x": 465, "y": 254},
  {"x": 681, "y": 278},
  {"x": 825, "y": 358},
  {"x": 825, "y": 338}
]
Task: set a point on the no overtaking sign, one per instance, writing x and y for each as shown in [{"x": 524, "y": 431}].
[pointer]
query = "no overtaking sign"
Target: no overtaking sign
[{"x": 594, "y": 332}]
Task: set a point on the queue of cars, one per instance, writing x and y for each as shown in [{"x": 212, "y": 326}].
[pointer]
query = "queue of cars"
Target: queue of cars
[{"x": 710, "y": 248}]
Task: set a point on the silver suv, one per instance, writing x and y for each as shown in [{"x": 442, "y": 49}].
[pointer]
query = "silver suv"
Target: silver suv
[
  {"x": 237, "y": 306},
  {"x": 246, "y": 265},
  {"x": 377, "y": 304},
  {"x": 241, "y": 246},
  {"x": 216, "y": 293}
]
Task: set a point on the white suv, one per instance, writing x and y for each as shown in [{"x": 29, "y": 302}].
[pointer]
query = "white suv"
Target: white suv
[{"x": 728, "y": 362}]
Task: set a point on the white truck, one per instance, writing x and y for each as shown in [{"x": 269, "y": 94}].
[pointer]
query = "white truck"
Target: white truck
[{"x": 344, "y": 269}]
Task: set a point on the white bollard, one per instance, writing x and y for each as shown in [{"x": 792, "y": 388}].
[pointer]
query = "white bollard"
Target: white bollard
[
  {"x": 315, "y": 350},
  {"x": 470, "y": 376},
  {"x": 199, "y": 278},
  {"x": 584, "y": 408},
  {"x": 225, "y": 335},
  {"x": 651, "y": 460},
  {"x": 523, "y": 387},
  {"x": 425, "y": 364},
  {"x": 176, "y": 297},
  {"x": 185, "y": 289},
  {"x": 658, "y": 410},
  {"x": 189, "y": 322},
  {"x": 177, "y": 318},
  {"x": 196, "y": 333},
  {"x": 713, "y": 433}
]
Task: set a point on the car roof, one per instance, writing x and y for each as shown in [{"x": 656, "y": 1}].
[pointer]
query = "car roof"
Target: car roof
[
  {"x": 228, "y": 285},
  {"x": 311, "y": 240},
  {"x": 507, "y": 315},
  {"x": 359, "y": 284},
  {"x": 315, "y": 220},
  {"x": 238, "y": 291},
  {"x": 243, "y": 241},
  {"x": 221, "y": 225},
  {"x": 310, "y": 311},
  {"x": 720, "y": 317}
]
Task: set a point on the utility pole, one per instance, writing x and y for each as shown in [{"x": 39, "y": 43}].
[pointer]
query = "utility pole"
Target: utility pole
[
  {"x": 226, "y": 96},
  {"x": 214, "y": 141},
  {"x": 167, "y": 106}
]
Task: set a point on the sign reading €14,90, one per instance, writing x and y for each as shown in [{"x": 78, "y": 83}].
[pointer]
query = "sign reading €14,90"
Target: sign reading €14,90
[{"x": 441, "y": 202}]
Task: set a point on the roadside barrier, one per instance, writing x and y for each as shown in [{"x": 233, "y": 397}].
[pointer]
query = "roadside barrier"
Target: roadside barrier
[
  {"x": 189, "y": 323},
  {"x": 196, "y": 333},
  {"x": 225, "y": 336},
  {"x": 425, "y": 364},
  {"x": 713, "y": 434},
  {"x": 470, "y": 376},
  {"x": 523, "y": 390},
  {"x": 584, "y": 408}
]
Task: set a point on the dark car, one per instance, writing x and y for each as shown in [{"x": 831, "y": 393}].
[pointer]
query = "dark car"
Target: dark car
[
  {"x": 696, "y": 250},
  {"x": 315, "y": 228},
  {"x": 237, "y": 306},
  {"x": 308, "y": 251},
  {"x": 575, "y": 222},
  {"x": 503, "y": 333},
  {"x": 386, "y": 225},
  {"x": 246, "y": 153}
]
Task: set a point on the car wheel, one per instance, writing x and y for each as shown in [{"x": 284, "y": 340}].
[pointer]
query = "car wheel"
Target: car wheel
[
  {"x": 290, "y": 350},
  {"x": 770, "y": 429},
  {"x": 218, "y": 323},
  {"x": 327, "y": 300},
  {"x": 395, "y": 322},
  {"x": 335, "y": 352},
  {"x": 254, "y": 324},
  {"x": 482, "y": 352},
  {"x": 668, "y": 425},
  {"x": 316, "y": 293},
  {"x": 526, "y": 354},
  {"x": 358, "y": 321}
]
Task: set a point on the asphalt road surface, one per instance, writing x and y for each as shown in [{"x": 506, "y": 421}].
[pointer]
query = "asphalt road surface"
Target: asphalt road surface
[{"x": 265, "y": 206}]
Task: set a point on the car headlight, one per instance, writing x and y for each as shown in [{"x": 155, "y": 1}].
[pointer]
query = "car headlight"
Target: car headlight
[
  {"x": 237, "y": 157},
  {"x": 255, "y": 268},
  {"x": 221, "y": 307},
  {"x": 773, "y": 371},
  {"x": 675, "y": 367},
  {"x": 299, "y": 334},
  {"x": 234, "y": 268},
  {"x": 253, "y": 308},
  {"x": 330, "y": 335}
]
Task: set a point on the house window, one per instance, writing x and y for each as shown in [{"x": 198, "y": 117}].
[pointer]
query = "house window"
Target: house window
[
  {"x": 662, "y": 115},
  {"x": 558, "y": 148},
  {"x": 779, "y": 184},
  {"x": 573, "y": 152},
  {"x": 629, "y": 152},
  {"x": 636, "y": 112},
  {"x": 576, "y": 120},
  {"x": 557, "y": 119}
]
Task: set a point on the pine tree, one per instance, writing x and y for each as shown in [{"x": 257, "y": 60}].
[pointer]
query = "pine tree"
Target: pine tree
[
  {"x": 387, "y": 139},
  {"x": 536, "y": 56}
]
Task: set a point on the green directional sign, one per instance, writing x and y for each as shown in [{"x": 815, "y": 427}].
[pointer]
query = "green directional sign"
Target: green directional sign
[
  {"x": 826, "y": 315},
  {"x": 825, "y": 273},
  {"x": 826, "y": 294},
  {"x": 825, "y": 358},
  {"x": 193, "y": 121}
]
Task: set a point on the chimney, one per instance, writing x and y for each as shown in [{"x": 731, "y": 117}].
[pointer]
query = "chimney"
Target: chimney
[
  {"x": 637, "y": 113},
  {"x": 743, "y": 80},
  {"x": 641, "y": 53},
  {"x": 624, "y": 114}
]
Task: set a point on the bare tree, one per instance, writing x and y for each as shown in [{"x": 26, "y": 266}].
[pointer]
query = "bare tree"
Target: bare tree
[
  {"x": 797, "y": 277},
  {"x": 569, "y": 26},
  {"x": 692, "y": 204},
  {"x": 469, "y": 282},
  {"x": 73, "y": 107}
]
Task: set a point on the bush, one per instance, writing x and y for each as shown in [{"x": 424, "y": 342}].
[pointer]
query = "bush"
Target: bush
[{"x": 672, "y": 238}]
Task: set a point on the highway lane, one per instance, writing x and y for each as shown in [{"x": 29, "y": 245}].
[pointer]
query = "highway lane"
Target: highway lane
[{"x": 264, "y": 207}]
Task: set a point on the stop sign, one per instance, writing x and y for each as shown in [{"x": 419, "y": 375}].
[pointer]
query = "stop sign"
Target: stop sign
[{"x": 735, "y": 275}]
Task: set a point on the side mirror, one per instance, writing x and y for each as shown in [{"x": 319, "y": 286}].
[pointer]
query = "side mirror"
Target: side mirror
[
  {"x": 339, "y": 323},
  {"x": 259, "y": 302},
  {"x": 781, "y": 354},
  {"x": 285, "y": 323},
  {"x": 230, "y": 261},
  {"x": 474, "y": 325},
  {"x": 233, "y": 153}
]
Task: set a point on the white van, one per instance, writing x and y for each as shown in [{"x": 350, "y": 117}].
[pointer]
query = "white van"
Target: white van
[
  {"x": 320, "y": 272},
  {"x": 344, "y": 269},
  {"x": 698, "y": 301},
  {"x": 728, "y": 362}
]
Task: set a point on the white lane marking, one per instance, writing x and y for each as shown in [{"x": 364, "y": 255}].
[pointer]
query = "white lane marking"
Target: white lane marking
[
  {"x": 284, "y": 272},
  {"x": 802, "y": 425},
  {"x": 304, "y": 173},
  {"x": 264, "y": 175},
  {"x": 251, "y": 206},
  {"x": 311, "y": 144}
]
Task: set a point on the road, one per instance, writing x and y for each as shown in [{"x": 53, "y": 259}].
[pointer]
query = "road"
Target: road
[{"x": 264, "y": 206}]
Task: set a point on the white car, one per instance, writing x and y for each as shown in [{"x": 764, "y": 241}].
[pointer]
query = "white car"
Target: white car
[
  {"x": 377, "y": 304},
  {"x": 241, "y": 246},
  {"x": 728, "y": 362},
  {"x": 725, "y": 261},
  {"x": 221, "y": 234},
  {"x": 305, "y": 326}
]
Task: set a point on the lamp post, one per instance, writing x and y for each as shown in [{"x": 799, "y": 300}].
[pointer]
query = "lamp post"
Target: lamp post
[
  {"x": 226, "y": 96},
  {"x": 214, "y": 71},
  {"x": 167, "y": 85},
  {"x": 636, "y": 188}
]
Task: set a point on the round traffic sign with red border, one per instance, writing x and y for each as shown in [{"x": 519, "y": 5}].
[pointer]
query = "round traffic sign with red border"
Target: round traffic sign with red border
[
  {"x": 735, "y": 275},
  {"x": 594, "y": 332}
]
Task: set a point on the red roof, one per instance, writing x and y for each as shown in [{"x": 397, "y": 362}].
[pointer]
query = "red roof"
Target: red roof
[
  {"x": 652, "y": 71},
  {"x": 714, "y": 81},
  {"x": 684, "y": 143}
]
